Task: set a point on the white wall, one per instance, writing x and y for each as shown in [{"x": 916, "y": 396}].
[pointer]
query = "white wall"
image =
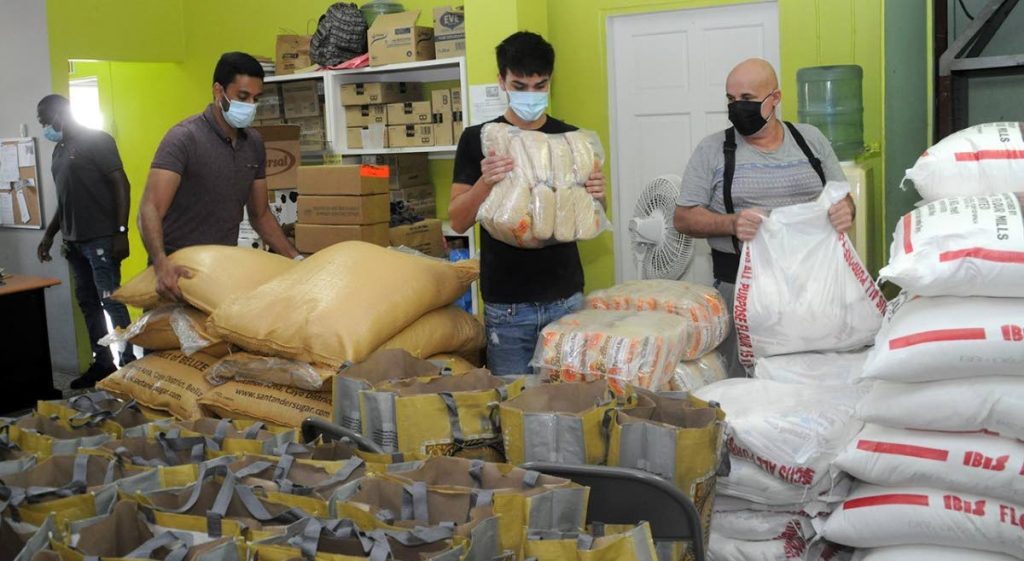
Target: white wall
[{"x": 25, "y": 72}]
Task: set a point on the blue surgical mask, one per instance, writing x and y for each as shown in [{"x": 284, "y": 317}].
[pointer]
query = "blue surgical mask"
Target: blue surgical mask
[
  {"x": 52, "y": 134},
  {"x": 529, "y": 106},
  {"x": 239, "y": 114}
]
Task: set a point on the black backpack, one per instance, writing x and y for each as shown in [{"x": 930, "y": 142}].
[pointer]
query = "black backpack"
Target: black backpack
[{"x": 340, "y": 35}]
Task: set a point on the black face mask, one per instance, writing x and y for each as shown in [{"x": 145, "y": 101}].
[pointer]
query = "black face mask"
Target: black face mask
[{"x": 746, "y": 116}]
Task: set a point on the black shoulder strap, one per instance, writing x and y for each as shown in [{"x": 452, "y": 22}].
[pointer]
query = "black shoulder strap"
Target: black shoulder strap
[
  {"x": 815, "y": 162},
  {"x": 729, "y": 151}
]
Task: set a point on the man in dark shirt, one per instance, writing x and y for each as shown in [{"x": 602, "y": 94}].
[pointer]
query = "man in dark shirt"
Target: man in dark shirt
[
  {"x": 207, "y": 169},
  {"x": 92, "y": 217},
  {"x": 523, "y": 289}
]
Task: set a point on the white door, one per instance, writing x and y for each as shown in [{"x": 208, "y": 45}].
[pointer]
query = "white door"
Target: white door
[{"x": 667, "y": 91}]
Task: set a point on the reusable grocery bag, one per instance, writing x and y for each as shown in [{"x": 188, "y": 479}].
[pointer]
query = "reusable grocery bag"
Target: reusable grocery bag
[
  {"x": 334, "y": 540},
  {"x": 801, "y": 286},
  {"x": 44, "y": 436},
  {"x": 521, "y": 498},
  {"x": 561, "y": 423},
  {"x": 99, "y": 409},
  {"x": 19, "y": 542},
  {"x": 289, "y": 475},
  {"x": 12, "y": 458},
  {"x": 379, "y": 367},
  {"x": 674, "y": 436},
  {"x": 159, "y": 450},
  {"x": 230, "y": 437},
  {"x": 611, "y": 543},
  {"x": 440, "y": 415}
]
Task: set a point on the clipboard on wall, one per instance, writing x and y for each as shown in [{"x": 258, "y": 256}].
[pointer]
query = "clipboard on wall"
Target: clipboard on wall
[{"x": 20, "y": 198}]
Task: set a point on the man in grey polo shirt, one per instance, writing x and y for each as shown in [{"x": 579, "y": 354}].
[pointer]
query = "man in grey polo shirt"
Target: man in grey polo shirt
[
  {"x": 207, "y": 169},
  {"x": 735, "y": 176}
]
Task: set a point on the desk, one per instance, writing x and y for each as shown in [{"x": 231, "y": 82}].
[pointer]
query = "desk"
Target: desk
[{"x": 24, "y": 343}]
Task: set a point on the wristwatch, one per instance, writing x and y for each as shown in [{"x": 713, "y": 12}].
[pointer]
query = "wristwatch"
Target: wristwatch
[{"x": 122, "y": 229}]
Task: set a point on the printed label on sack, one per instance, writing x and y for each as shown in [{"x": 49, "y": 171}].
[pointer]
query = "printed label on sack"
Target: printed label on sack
[
  {"x": 994, "y": 224},
  {"x": 797, "y": 475}
]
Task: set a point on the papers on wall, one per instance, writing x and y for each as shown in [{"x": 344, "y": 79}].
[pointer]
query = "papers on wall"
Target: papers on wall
[
  {"x": 6, "y": 208},
  {"x": 26, "y": 155},
  {"x": 9, "y": 164},
  {"x": 487, "y": 102},
  {"x": 23, "y": 206}
]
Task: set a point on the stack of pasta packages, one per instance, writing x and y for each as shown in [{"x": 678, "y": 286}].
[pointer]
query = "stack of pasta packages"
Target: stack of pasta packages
[{"x": 260, "y": 337}]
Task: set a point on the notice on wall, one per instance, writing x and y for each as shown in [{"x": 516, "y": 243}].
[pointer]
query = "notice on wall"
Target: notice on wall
[
  {"x": 26, "y": 155},
  {"x": 9, "y": 163},
  {"x": 6, "y": 208},
  {"x": 487, "y": 102}
]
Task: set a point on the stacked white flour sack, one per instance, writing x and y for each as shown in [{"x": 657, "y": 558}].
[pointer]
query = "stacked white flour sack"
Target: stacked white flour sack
[
  {"x": 940, "y": 462},
  {"x": 804, "y": 328}
]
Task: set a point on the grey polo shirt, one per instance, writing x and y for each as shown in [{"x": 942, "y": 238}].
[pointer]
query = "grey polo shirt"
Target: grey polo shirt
[
  {"x": 86, "y": 205},
  {"x": 216, "y": 180}
]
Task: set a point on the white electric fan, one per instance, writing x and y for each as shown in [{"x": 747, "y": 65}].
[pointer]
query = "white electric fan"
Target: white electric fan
[{"x": 661, "y": 252}]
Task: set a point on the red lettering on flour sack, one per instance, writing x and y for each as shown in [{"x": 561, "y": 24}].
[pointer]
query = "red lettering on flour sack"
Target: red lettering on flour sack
[
  {"x": 1009, "y": 515},
  {"x": 1014, "y": 333},
  {"x": 956, "y": 504},
  {"x": 979, "y": 460},
  {"x": 862, "y": 275}
]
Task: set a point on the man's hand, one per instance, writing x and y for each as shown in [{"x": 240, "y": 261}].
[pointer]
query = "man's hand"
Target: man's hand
[
  {"x": 595, "y": 185},
  {"x": 494, "y": 168},
  {"x": 167, "y": 275},
  {"x": 43, "y": 251},
  {"x": 841, "y": 215},
  {"x": 121, "y": 249},
  {"x": 746, "y": 223}
]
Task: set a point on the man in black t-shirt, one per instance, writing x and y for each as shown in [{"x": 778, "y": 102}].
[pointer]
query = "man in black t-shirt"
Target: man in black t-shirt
[
  {"x": 92, "y": 217},
  {"x": 523, "y": 289}
]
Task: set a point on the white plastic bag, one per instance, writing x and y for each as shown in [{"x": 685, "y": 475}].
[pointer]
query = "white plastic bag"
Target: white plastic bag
[
  {"x": 721, "y": 548},
  {"x": 994, "y": 404},
  {"x": 976, "y": 463},
  {"x": 984, "y": 159},
  {"x": 695, "y": 374},
  {"x": 963, "y": 246},
  {"x": 757, "y": 525},
  {"x": 801, "y": 286},
  {"x": 543, "y": 200},
  {"x": 813, "y": 368},
  {"x": 927, "y": 553},
  {"x": 748, "y": 482},
  {"x": 946, "y": 337},
  {"x": 269, "y": 370},
  {"x": 793, "y": 432},
  {"x": 888, "y": 516}
]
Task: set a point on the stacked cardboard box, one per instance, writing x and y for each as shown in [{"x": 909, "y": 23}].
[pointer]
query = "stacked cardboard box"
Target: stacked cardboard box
[
  {"x": 449, "y": 31},
  {"x": 425, "y": 236},
  {"x": 282, "y": 166},
  {"x": 409, "y": 180},
  {"x": 303, "y": 103},
  {"x": 367, "y": 104},
  {"x": 342, "y": 203},
  {"x": 395, "y": 38}
]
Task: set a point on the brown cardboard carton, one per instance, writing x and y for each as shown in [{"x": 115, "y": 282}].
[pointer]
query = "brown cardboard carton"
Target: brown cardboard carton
[
  {"x": 427, "y": 208},
  {"x": 380, "y": 92},
  {"x": 292, "y": 53},
  {"x": 444, "y": 132},
  {"x": 425, "y": 237},
  {"x": 449, "y": 31},
  {"x": 344, "y": 209},
  {"x": 414, "y": 193},
  {"x": 354, "y": 136},
  {"x": 268, "y": 122},
  {"x": 282, "y": 147},
  {"x": 411, "y": 136},
  {"x": 396, "y": 38},
  {"x": 457, "y": 100},
  {"x": 409, "y": 113},
  {"x": 269, "y": 106},
  {"x": 363, "y": 115},
  {"x": 310, "y": 238},
  {"x": 343, "y": 180},
  {"x": 302, "y": 99},
  {"x": 441, "y": 101},
  {"x": 405, "y": 169}
]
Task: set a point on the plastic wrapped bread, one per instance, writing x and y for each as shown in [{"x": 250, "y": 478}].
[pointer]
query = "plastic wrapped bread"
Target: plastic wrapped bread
[
  {"x": 495, "y": 138},
  {"x": 623, "y": 347},
  {"x": 523, "y": 168},
  {"x": 535, "y": 144},
  {"x": 707, "y": 318},
  {"x": 583, "y": 155},
  {"x": 563, "y": 172},
  {"x": 565, "y": 224},
  {"x": 544, "y": 212},
  {"x": 513, "y": 218},
  {"x": 587, "y": 214}
]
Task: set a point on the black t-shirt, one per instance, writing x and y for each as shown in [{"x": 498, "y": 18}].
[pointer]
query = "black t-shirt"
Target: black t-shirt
[
  {"x": 512, "y": 275},
  {"x": 81, "y": 169}
]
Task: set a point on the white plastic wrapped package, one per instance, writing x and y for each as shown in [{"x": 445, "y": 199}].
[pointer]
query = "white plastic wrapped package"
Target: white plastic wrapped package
[
  {"x": 813, "y": 368},
  {"x": 758, "y": 525},
  {"x": 988, "y": 403},
  {"x": 792, "y": 547},
  {"x": 977, "y": 463},
  {"x": 168, "y": 328},
  {"x": 985, "y": 159},
  {"x": 623, "y": 347},
  {"x": 701, "y": 306},
  {"x": 792, "y": 432},
  {"x": 269, "y": 370},
  {"x": 748, "y": 482},
  {"x": 889, "y": 516},
  {"x": 544, "y": 199},
  {"x": 801, "y": 286},
  {"x": 927, "y": 553},
  {"x": 694, "y": 374},
  {"x": 963, "y": 246},
  {"x": 946, "y": 337}
]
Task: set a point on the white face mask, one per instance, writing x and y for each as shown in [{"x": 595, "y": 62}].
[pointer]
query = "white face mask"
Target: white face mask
[
  {"x": 239, "y": 113},
  {"x": 529, "y": 106}
]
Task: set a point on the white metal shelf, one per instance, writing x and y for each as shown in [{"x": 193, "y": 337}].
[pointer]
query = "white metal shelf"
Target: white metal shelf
[
  {"x": 452, "y": 63},
  {"x": 416, "y": 150}
]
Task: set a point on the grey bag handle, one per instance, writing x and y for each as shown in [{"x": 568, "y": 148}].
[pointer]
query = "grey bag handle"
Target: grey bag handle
[
  {"x": 414, "y": 503},
  {"x": 177, "y": 543},
  {"x": 76, "y": 486}
]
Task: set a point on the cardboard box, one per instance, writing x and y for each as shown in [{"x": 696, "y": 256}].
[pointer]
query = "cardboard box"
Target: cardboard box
[
  {"x": 282, "y": 147},
  {"x": 310, "y": 238},
  {"x": 449, "y": 31},
  {"x": 312, "y": 134},
  {"x": 411, "y": 136},
  {"x": 441, "y": 101},
  {"x": 344, "y": 209},
  {"x": 363, "y": 115},
  {"x": 380, "y": 92},
  {"x": 396, "y": 38},
  {"x": 457, "y": 100},
  {"x": 405, "y": 169},
  {"x": 302, "y": 99},
  {"x": 292, "y": 53},
  {"x": 269, "y": 106},
  {"x": 268, "y": 122},
  {"x": 444, "y": 132},
  {"x": 427, "y": 208},
  {"x": 424, "y": 236},
  {"x": 284, "y": 205},
  {"x": 409, "y": 113},
  {"x": 343, "y": 180},
  {"x": 414, "y": 193},
  {"x": 354, "y": 136}
]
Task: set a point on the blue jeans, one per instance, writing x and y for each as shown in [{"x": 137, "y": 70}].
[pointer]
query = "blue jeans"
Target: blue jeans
[
  {"x": 513, "y": 331},
  {"x": 97, "y": 275}
]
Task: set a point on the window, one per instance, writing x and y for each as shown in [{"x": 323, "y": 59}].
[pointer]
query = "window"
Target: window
[{"x": 85, "y": 103}]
